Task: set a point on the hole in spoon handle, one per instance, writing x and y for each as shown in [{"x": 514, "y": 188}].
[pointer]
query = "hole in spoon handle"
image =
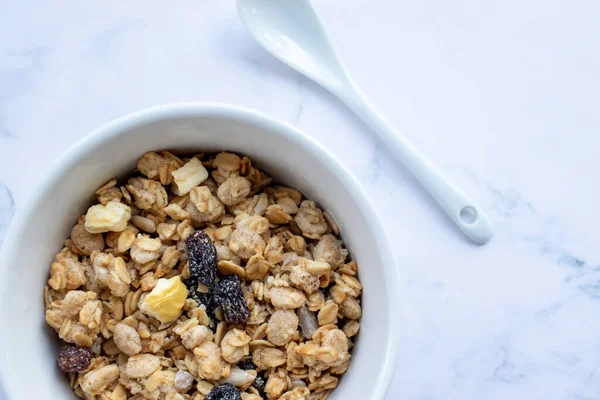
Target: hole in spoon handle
[
  {"x": 474, "y": 223},
  {"x": 468, "y": 215}
]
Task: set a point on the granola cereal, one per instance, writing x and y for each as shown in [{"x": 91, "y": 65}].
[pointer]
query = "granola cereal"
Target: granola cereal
[{"x": 197, "y": 278}]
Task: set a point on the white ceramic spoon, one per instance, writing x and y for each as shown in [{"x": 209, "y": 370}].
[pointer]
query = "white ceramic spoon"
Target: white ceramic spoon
[{"x": 290, "y": 30}]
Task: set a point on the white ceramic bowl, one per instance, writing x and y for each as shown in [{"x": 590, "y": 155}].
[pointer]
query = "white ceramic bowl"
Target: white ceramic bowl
[{"x": 28, "y": 367}]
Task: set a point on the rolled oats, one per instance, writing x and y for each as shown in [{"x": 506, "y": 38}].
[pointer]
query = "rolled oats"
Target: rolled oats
[
  {"x": 266, "y": 357},
  {"x": 286, "y": 297},
  {"x": 277, "y": 383},
  {"x": 94, "y": 382},
  {"x": 350, "y": 308},
  {"x": 85, "y": 241},
  {"x": 297, "y": 244},
  {"x": 204, "y": 206},
  {"x": 234, "y": 190},
  {"x": 235, "y": 346},
  {"x": 257, "y": 268},
  {"x": 282, "y": 327},
  {"x": 328, "y": 314},
  {"x": 310, "y": 220},
  {"x": 211, "y": 364}
]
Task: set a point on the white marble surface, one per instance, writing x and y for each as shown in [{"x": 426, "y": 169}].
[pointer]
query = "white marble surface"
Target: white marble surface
[{"x": 503, "y": 95}]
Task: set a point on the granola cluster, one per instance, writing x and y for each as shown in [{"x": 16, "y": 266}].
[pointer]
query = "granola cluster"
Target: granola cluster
[{"x": 198, "y": 278}]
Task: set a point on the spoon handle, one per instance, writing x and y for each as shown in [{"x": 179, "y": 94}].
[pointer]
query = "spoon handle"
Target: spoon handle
[{"x": 465, "y": 213}]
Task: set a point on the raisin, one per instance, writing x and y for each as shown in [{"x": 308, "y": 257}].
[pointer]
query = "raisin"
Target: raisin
[
  {"x": 202, "y": 257},
  {"x": 224, "y": 392},
  {"x": 202, "y": 298},
  {"x": 228, "y": 294},
  {"x": 246, "y": 365},
  {"x": 74, "y": 359},
  {"x": 259, "y": 384}
]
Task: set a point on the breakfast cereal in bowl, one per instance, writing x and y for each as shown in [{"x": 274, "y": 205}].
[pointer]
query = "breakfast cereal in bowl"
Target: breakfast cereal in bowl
[{"x": 200, "y": 278}]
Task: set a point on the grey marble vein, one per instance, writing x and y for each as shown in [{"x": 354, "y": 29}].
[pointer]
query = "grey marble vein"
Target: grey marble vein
[{"x": 7, "y": 209}]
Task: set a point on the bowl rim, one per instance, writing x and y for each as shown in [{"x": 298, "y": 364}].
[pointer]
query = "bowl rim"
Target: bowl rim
[{"x": 128, "y": 122}]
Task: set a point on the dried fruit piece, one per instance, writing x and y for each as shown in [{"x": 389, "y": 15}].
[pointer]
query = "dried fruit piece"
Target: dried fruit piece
[
  {"x": 166, "y": 300},
  {"x": 202, "y": 298},
  {"x": 224, "y": 392},
  {"x": 202, "y": 257},
  {"x": 74, "y": 359},
  {"x": 228, "y": 294},
  {"x": 259, "y": 384},
  {"x": 188, "y": 177},
  {"x": 246, "y": 364},
  {"x": 111, "y": 217}
]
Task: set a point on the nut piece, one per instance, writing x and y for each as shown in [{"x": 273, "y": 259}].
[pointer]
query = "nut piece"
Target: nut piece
[
  {"x": 188, "y": 177},
  {"x": 127, "y": 339},
  {"x": 112, "y": 217},
  {"x": 282, "y": 327},
  {"x": 166, "y": 300},
  {"x": 94, "y": 382},
  {"x": 234, "y": 346}
]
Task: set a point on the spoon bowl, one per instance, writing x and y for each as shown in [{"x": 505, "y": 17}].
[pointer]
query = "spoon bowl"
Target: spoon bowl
[{"x": 294, "y": 30}]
